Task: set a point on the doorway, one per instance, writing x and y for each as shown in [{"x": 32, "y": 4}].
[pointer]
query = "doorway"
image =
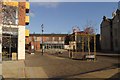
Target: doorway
[{"x": 9, "y": 43}]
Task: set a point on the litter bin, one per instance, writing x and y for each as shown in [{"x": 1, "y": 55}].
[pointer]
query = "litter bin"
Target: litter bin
[{"x": 14, "y": 56}]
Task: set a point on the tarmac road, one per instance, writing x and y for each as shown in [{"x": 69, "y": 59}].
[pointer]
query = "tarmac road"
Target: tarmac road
[{"x": 60, "y": 67}]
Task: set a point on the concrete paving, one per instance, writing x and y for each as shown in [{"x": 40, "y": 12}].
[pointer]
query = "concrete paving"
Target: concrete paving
[
  {"x": 35, "y": 72},
  {"x": 48, "y": 66},
  {"x": 13, "y": 69}
]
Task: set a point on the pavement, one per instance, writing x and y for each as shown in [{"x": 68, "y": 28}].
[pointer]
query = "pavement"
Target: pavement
[
  {"x": 13, "y": 69},
  {"x": 49, "y": 66}
]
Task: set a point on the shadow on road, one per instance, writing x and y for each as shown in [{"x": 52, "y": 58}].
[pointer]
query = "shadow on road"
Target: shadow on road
[{"x": 102, "y": 69}]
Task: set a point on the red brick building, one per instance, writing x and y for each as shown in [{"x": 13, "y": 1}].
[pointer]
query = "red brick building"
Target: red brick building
[{"x": 50, "y": 41}]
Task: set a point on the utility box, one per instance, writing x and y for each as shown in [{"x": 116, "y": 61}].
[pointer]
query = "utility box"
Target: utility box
[{"x": 14, "y": 56}]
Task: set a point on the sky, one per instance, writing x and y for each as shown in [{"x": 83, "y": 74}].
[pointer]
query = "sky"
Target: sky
[{"x": 60, "y": 17}]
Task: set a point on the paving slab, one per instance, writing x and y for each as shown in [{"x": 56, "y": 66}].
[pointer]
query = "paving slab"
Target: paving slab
[
  {"x": 13, "y": 69},
  {"x": 35, "y": 72}
]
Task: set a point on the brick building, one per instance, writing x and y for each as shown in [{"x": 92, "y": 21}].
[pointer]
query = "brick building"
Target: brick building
[
  {"x": 50, "y": 41},
  {"x": 12, "y": 28}
]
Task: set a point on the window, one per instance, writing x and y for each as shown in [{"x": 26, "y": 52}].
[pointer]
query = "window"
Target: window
[
  {"x": 53, "y": 39},
  {"x": 62, "y": 38},
  {"x": 50, "y": 39},
  {"x": 47, "y": 39},
  {"x": 59, "y": 38},
  {"x": 38, "y": 38},
  {"x": 35, "y": 38},
  {"x": 56, "y": 38}
]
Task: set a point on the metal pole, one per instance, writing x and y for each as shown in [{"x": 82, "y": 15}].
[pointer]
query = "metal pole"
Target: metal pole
[
  {"x": 89, "y": 44},
  {"x": 95, "y": 45},
  {"x": 10, "y": 42},
  {"x": 42, "y": 38},
  {"x": 34, "y": 44},
  {"x": 82, "y": 44}
]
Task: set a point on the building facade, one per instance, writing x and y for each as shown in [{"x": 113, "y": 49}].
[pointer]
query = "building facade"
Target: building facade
[
  {"x": 50, "y": 41},
  {"x": 106, "y": 34},
  {"x": 81, "y": 42},
  {"x": 110, "y": 37},
  {"x": 12, "y": 28},
  {"x": 116, "y": 31}
]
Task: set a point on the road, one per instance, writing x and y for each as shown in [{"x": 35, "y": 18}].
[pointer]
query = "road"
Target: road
[{"x": 59, "y": 67}]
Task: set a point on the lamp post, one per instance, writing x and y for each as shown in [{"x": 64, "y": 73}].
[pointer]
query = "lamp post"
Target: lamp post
[{"x": 42, "y": 37}]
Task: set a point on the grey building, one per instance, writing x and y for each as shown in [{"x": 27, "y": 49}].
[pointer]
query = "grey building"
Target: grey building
[
  {"x": 106, "y": 34},
  {"x": 110, "y": 37},
  {"x": 116, "y": 31}
]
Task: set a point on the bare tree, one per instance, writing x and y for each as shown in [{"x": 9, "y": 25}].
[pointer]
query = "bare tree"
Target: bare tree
[
  {"x": 89, "y": 27},
  {"x": 75, "y": 29}
]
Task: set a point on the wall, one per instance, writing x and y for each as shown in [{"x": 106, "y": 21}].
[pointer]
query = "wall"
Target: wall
[
  {"x": 21, "y": 42},
  {"x": 47, "y": 39},
  {"x": 21, "y": 13},
  {"x": 116, "y": 35},
  {"x": 106, "y": 35}
]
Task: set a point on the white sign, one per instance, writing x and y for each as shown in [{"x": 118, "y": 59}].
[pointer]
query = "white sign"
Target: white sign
[
  {"x": 90, "y": 56},
  {"x": 32, "y": 47}
]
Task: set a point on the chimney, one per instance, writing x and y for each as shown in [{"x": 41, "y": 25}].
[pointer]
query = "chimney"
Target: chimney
[{"x": 104, "y": 18}]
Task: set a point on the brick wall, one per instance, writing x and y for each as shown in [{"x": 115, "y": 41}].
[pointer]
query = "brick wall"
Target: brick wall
[{"x": 21, "y": 13}]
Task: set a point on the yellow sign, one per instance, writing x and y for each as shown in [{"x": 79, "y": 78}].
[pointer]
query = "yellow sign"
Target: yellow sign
[
  {"x": 27, "y": 32},
  {"x": 27, "y": 19},
  {"x": 14, "y": 3},
  {"x": 27, "y": 5}
]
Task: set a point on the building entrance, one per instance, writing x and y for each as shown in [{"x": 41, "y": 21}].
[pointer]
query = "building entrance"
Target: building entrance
[{"x": 9, "y": 43}]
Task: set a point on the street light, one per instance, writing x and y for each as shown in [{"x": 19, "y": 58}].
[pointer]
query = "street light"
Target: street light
[{"x": 42, "y": 37}]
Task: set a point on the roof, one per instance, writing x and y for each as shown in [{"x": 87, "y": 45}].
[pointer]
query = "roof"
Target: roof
[
  {"x": 81, "y": 32},
  {"x": 105, "y": 19},
  {"x": 117, "y": 12},
  {"x": 48, "y": 34}
]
